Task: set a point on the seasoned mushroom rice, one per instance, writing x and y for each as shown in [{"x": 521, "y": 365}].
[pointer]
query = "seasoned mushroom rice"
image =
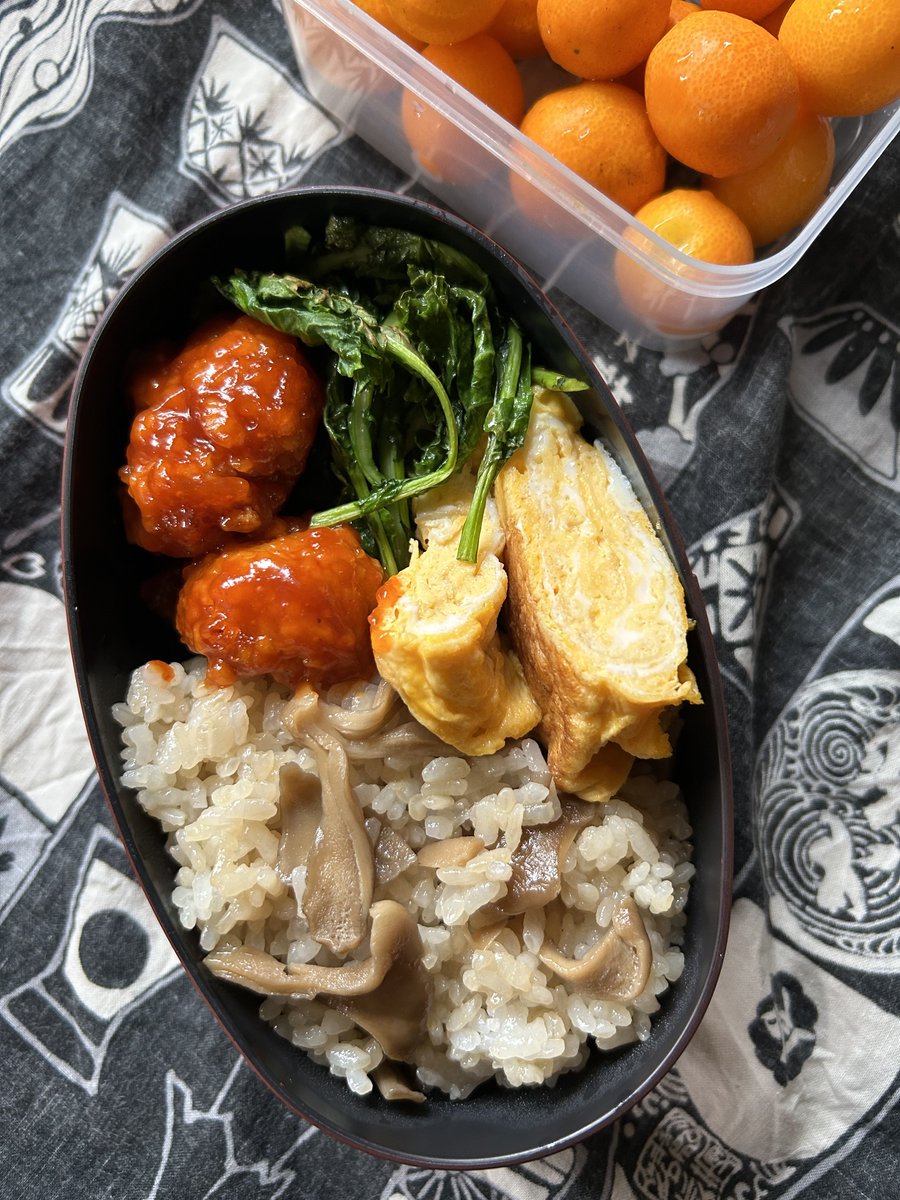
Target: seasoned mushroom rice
[{"x": 206, "y": 762}]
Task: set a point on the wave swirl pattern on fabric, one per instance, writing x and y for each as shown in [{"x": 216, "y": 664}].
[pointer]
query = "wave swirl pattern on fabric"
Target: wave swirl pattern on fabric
[{"x": 46, "y": 56}]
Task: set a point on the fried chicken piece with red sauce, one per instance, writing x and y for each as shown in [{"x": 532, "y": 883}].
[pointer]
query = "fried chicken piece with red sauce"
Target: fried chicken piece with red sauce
[
  {"x": 221, "y": 433},
  {"x": 295, "y": 606}
]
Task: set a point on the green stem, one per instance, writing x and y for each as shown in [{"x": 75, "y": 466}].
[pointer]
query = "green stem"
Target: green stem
[
  {"x": 553, "y": 381},
  {"x": 470, "y": 537},
  {"x": 389, "y": 492},
  {"x": 360, "y": 431},
  {"x": 496, "y": 423}
]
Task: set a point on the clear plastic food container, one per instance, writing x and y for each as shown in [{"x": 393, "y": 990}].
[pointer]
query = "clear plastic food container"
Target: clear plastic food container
[{"x": 567, "y": 233}]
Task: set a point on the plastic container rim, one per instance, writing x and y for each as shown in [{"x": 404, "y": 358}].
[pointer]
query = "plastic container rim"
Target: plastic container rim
[{"x": 518, "y": 153}]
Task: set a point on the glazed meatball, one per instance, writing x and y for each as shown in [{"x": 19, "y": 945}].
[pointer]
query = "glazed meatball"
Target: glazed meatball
[
  {"x": 295, "y": 607},
  {"x": 221, "y": 433}
]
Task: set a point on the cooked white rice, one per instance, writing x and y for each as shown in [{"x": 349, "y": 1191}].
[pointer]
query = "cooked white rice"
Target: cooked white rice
[{"x": 205, "y": 762}]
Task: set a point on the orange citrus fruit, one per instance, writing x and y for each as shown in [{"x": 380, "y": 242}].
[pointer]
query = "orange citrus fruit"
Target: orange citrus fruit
[
  {"x": 440, "y": 22},
  {"x": 483, "y": 68},
  {"x": 678, "y": 10},
  {"x": 846, "y": 53},
  {"x": 720, "y": 92},
  {"x": 378, "y": 11},
  {"x": 787, "y": 187},
  {"x": 516, "y": 29},
  {"x": 600, "y": 39},
  {"x": 772, "y": 21},
  {"x": 696, "y": 223},
  {"x": 601, "y": 132},
  {"x": 753, "y": 10}
]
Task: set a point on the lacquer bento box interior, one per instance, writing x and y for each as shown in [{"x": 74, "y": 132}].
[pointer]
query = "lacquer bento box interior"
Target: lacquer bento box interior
[{"x": 113, "y": 630}]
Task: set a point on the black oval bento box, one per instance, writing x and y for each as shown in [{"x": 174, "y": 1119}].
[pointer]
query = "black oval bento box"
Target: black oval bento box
[{"x": 113, "y": 630}]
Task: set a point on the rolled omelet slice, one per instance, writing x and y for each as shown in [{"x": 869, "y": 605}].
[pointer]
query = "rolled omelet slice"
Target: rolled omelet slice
[
  {"x": 435, "y": 636},
  {"x": 595, "y": 607}
]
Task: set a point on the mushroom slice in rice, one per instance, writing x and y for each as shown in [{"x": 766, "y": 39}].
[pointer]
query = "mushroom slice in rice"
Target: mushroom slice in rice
[
  {"x": 259, "y": 971},
  {"x": 386, "y": 994},
  {"x": 300, "y": 806},
  {"x": 362, "y": 720},
  {"x": 340, "y": 874},
  {"x": 537, "y": 860},
  {"x": 392, "y": 855},
  {"x": 393, "y": 1086},
  {"x": 451, "y": 852},
  {"x": 617, "y": 968},
  {"x": 485, "y": 935},
  {"x": 395, "y": 1011}
]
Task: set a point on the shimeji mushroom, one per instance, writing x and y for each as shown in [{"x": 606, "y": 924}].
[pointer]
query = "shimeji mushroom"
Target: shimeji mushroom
[
  {"x": 362, "y": 720},
  {"x": 617, "y": 968},
  {"x": 392, "y": 855},
  {"x": 323, "y": 826},
  {"x": 300, "y": 808},
  {"x": 537, "y": 860},
  {"x": 451, "y": 852},
  {"x": 387, "y": 994},
  {"x": 392, "y": 1085}
]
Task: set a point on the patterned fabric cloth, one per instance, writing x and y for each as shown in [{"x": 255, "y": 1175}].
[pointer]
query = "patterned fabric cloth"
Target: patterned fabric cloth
[{"x": 777, "y": 441}]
